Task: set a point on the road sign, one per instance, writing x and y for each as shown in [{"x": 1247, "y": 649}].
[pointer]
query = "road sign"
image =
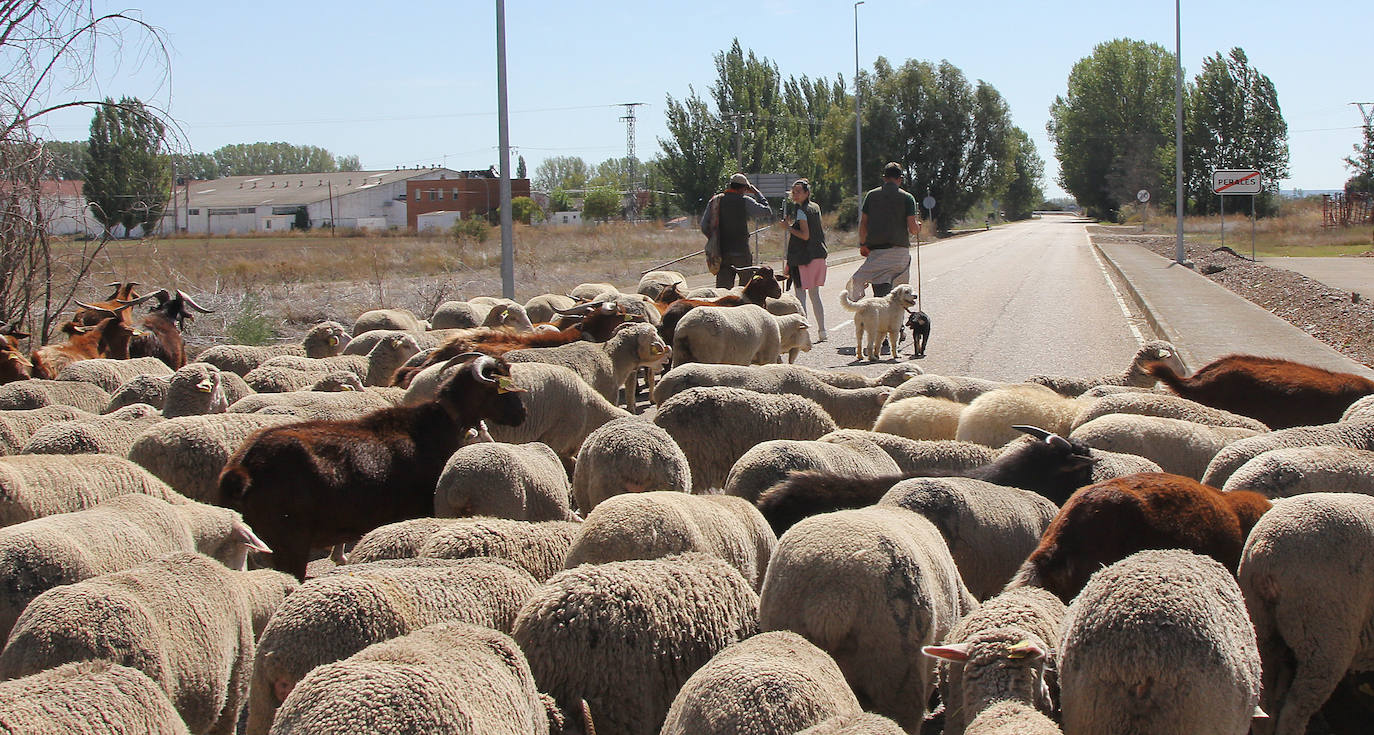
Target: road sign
[
  {"x": 928, "y": 202},
  {"x": 1236, "y": 181},
  {"x": 1142, "y": 196}
]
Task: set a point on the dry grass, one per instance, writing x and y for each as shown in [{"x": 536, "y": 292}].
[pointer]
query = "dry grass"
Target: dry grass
[{"x": 1297, "y": 231}]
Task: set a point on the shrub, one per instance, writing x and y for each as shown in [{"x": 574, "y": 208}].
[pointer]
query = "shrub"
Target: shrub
[
  {"x": 601, "y": 203},
  {"x": 847, "y": 214},
  {"x": 250, "y": 326},
  {"x": 474, "y": 229},
  {"x": 523, "y": 209}
]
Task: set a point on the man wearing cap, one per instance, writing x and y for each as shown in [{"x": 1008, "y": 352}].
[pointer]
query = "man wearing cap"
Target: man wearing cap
[
  {"x": 887, "y": 221},
  {"x": 727, "y": 215}
]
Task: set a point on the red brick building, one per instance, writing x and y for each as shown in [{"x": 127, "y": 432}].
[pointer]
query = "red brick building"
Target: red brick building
[{"x": 467, "y": 195}]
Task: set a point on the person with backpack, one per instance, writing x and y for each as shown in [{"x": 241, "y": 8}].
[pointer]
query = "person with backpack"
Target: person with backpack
[
  {"x": 726, "y": 226},
  {"x": 806, "y": 253}
]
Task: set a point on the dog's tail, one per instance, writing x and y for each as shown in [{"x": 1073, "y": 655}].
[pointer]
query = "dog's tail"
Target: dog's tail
[{"x": 848, "y": 303}]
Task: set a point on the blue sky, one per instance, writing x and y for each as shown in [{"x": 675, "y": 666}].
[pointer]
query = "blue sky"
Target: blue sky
[{"x": 415, "y": 83}]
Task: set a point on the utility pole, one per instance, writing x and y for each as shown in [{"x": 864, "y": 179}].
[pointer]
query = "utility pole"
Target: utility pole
[
  {"x": 858, "y": 131},
  {"x": 1179, "y": 256},
  {"x": 503, "y": 120},
  {"x": 631, "y": 160}
]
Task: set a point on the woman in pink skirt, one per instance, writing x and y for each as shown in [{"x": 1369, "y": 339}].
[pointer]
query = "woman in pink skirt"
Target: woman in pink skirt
[{"x": 806, "y": 252}]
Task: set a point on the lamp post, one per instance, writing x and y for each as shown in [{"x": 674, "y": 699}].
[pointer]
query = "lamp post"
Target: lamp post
[
  {"x": 503, "y": 125},
  {"x": 858, "y": 132},
  {"x": 1179, "y": 256}
]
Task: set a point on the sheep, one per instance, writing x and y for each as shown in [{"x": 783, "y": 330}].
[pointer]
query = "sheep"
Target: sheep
[
  {"x": 315, "y": 404},
  {"x": 1006, "y": 692},
  {"x": 448, "y": 677},
  {"x": 1177, "y": 446},
  {"x": 891, "y": 377},
  {"x": 512, "y": 316},
  {"x": 401, "y": 319},
  {"x": 113, "y": 535},
  {"x": 1280, "y": 393},
  {"x": 1105, "y": 522},
  {"x": 738, "y": 335},
  {"x": 913, "y": 457},
  {"x": 1157, "y": 351},
  {"x": 320, "y": 483},
  {"x": 606, "y": 366},
  {"x": 18, "y": 425},
  {"x": 523, "y": 482},
  {"x": 560, "y": 409},
  {"x": 989, "y": 529},
  {"x": 109, "y": 338},
  {"x": 599, "y": 631},
  {"x": 88, "y": 698},
  {"x": 1046, "y": 464},
  {"x": 324, "y": 339},
  {"x": 723, "y": 526},
  {"x": 1354, "y": 435},
  {"x": 627, "y": 455},
  {"x": 774, "y": 682},
  {"x": 537, "y": 547},
  {"x": 990, "y": 417},
  {"x": 37, "y": 393},
  {"x": 365, "y": 342},
  {"x": 109, "y": 434},
  {"x": 1166, "y": 406},
  {"x": 768, "y": 463},
  {"x": 454, "y": 315},
  {"x": 110, "y": 374},
  {"x": 148, "y": 389},
  {"x": 869, "y": 587},
  {"x": 784, "y": 305},
  {"x": 1306, "y": 579},
  {"x": 544, "y": 307},
  {"x": 197, "y": 647},
  {"x": 1107, "y": 465},
  {"x": 332, "y": 617},
  {"x": 920, "y": 417},
  {"x": 1012, "y": 717},
  {"x": 716, "y": 426},
  {"x": 964, "y": 677},
  {"x": 854, "y": 408},
  {"x": 589, "y": 291},
  {"x": 1281, "y": 473},
  {"x": 37, "y": 485},
  {"x": 376, "y": 367},
  {"x": 652, "y": 283},
  {"x": 1360, "y": 410},
  {"x": 188, "y": 453},
  {"x": 399, "y": 540},
  {"x": 194, "y": 390},
  {"x": 953, "y": 387},
  {"x": 1159, "y": 642},
  {"x": 865, "y": 723}
]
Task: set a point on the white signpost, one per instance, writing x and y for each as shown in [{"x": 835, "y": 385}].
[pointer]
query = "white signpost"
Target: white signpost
[{"x": 1234, "y": 182}]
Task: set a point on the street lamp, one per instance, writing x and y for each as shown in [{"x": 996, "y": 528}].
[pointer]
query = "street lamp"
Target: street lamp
[{"x": 858, "y": 132}]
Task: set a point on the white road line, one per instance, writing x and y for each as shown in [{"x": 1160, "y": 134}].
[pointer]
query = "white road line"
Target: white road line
[{"x": 1120, "y": 300}]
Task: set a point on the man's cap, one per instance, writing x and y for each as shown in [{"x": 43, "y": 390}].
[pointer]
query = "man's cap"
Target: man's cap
[
  {"x": 893, "y": 170},
  {"x": 740, "y": 179}
]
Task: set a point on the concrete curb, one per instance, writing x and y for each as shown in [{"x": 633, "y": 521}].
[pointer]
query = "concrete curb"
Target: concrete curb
[{"x": 1157, "y": 324}]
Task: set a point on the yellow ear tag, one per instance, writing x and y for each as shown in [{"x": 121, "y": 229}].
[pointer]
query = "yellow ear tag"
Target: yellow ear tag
[
  {"x": 505, "y": 385},
  {"x": 1021, "y": 650}
]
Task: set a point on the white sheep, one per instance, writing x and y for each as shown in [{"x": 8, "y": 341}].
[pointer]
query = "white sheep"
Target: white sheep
[
  {"x": 402, "y": 319},
  {"x": 589, "y": 291},
  {"x": 921, "y": 417},
  {"x": 37, "y": 393},
  {"x": 560, "y": 409},
  {"x": 1307, "y": 580},
  {"x": 314, "y": 404},
  {"x": 627, "y": 455},
  {"x": 774, "y": 682},
  {"x": 866, "y": 723},
  {"x": 1134, "y": 376},
  {"x": 449, "y": 677},
  {"x": 17, "y": 426},
  {"x": 88, "y": 698},
  {"x": 913, "y": 456},
  {"x": 188, "y": 453},
  {"x": 607, "y": 366},
  {"x": 1280, "y": 473},
  {"x": 197, "y": 647},
  {"x": 537, "y": 547},
  {"x": 323, "y": 340},
  {"x": 990, "y": 418},
  {"x": 149, "y": 389},
  {"x": 523, "y": 482},
  {"x": 365, "y": 342},
  {"x": 399, "y": 540},
  {"x": 1166, "y": 406},
  {"x": 1361, "y": 410},
  {"x": 1006, "y": 692},
  {"x": 854, "y": 408},
  {"x": 509, "y": 316},
  {"x": 112, "y": 433},
  {"x": 454, "y": 315},
  {"x": 544, "y": 307},
  {"x": 1159, "y": 642},
  {"x": 989, "y": 529},
  {"x": 599, "y": 632},
  {"x": 652, "y": 283},
  {"x": 716, "y": 426},
  {"x": 770, "y": 462},
  {"x": 733, "y": 335},
  {"x": 109, "y": 374},
  {"x": 1351, "y": 434},
  {"x": 891, "y": 377},
  {"x": 869, "y": 587},
  {"x": 197, "y": 388},
  {"x": 1177, "y": 446},
  {"x": 332, "y": 617},
  {"x": 725, "y": 527},
  {"x": 37, "y": 485},
  {"x": 956, "y": 388},
  {"x": 375, "y": 368}
]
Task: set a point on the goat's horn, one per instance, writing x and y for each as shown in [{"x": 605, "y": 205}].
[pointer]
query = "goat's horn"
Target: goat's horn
[
  {"x": 578, "y": 309},
  {"x": 114, "y": 284},
  {"x": 1034, "y": 431},
  {"x": 111, "y": 312},
  {"x": 482, "y": 369},
  {"x": 191, "y": 303},
  {"x": 141, "y": 299}
]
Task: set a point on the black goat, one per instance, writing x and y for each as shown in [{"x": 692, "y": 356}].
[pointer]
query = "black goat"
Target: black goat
[
  {"x": 161, "y": 327},
  {"x": 1053, "y": 467}
]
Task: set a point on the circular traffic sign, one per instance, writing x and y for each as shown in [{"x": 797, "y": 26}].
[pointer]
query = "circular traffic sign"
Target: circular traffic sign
[
  {"x": 928, "y": 202},
  {"x": 1142, "y": 196}
]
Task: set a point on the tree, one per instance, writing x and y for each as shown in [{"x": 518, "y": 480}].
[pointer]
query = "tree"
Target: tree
[
  {"x": 1233, "y": 121},
  {"x": 601, "y": 203},
  {"x": 695, "y": 154},
  {"x": 67, "y": 159},
  {"x": 560, "y": 172},
  {"x": 523, "y": 209},
  {"x": 1362, "y": 164},
  {"x": 617, "y": 173},
  {"x": 343, "y": 163},
  {"x": 259, "y": 159},
  {"x": 1112, "y": 130},
  {"x": 128, "y": 174},
  {"x": 1024, "y": 193},
  {"x": 520, "y": 168},
  {"x": 202, "y": 166},
  {"x": 748, "y": 97},
  {"x": 560, "y": 201}
]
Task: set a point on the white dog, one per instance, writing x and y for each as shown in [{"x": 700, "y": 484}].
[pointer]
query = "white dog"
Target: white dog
[{"x": 879, "y": 316}]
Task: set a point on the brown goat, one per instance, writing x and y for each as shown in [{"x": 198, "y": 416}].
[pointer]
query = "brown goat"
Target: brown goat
[
  {"x": 161, "y": 327},
  {"x": 761, "y": 286},
  {"x": 1280, "y": 393},
  {"x": 315, "y": 484},
  {"x": 110, "y": 338},
  {"x": 1107, "y": 522},
  {"x": 89, "y": 315}
]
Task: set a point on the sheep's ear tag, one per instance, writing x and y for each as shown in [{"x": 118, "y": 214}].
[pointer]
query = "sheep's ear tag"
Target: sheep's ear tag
[
  {"x": 333, "y": 341},
  {"x": 1024, "y": 649},
  {"x": 505, "y": 385},
  {"x": 952, "y": 652}
]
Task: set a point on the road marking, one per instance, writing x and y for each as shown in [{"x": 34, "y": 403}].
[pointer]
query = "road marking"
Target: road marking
[{"x": 1120, "y": 300}]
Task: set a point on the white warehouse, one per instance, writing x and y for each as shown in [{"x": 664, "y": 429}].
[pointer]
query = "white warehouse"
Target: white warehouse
[{"x": 271, "y": 203}]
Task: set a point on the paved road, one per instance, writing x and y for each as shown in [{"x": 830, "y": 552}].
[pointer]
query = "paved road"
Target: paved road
[
  {"x": 1347, "y": 274},
  {"x": 1022, "y": 299}
]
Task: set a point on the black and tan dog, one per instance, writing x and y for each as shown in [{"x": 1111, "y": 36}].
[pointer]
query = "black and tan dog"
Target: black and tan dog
[{"x": 919, "y": 324}]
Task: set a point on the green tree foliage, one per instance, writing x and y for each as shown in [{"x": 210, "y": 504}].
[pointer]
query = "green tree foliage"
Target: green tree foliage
[
  {"x": 748, "y": 97},
  {"x": 520, "y": 170},
  {"x": 809, "y": 104},
  {"x": 202, "y": 166},
  {"x": 523, "y": 209},
  {"x": 560, "y": 201},
  {"x": 66, "y": 159},
  {"x": 601, "y": 203},
  {"x": 342, "y": 163},
  {"x": 695, "y": 153},
  {"x": 1113, "y": 128},
  {"x": 128, "y": 175},
  {"x": 617, "y": 173},
  {"x": 561, "y": 172},
  {"x": 1024, "y": 193},
  {"x": 1233, "y": 121},
  {"x": 1362, "y": 164},
  {"x": 258, "y": 159}
]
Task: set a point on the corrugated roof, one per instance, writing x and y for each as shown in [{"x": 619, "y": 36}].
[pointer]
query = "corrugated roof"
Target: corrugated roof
[{"x": 281, "y": 190}]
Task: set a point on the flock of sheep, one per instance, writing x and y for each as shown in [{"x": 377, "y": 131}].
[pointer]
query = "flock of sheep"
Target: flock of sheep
[{"x": 768, "y": 549}]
